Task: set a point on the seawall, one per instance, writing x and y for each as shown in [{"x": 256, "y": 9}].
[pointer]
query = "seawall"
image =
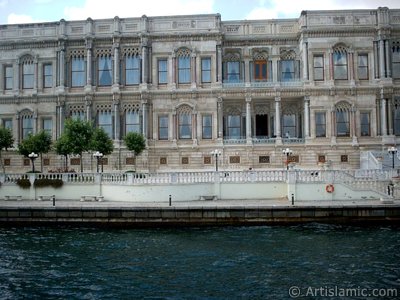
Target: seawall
[{"x": 198, "y": 216}]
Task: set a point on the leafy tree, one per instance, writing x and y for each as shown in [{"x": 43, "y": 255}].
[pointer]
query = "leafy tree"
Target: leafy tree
[
  {"x": 63, "y": 147},
  {"x": 101, "y": 142},
  {"x": 79, "y": 135},
  {"x": 135, "y": 142},
  {"x": 6, "y": 141},
  {"x": 39, "y": 143}
]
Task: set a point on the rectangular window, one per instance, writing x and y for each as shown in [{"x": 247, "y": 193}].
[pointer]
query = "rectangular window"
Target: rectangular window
[
  {"x": 206, "y": 69},
  {"x": 132, "y": 121},
  {"x": 260, "y": 70},
  {"x": 8, "y": 77},
  {"x": 105, "y": 73},
  {"x": 289, "y": 70},
  {"x": 234, "y": 128},
  {"x": 233, "y": 71},
  {"x": 340, "y": 65},
  {"x": 78, "y": 115},
  {"x": 207, "y": 126},
  {"x": 163, "y": 127},
  {"x": 184, "y": 69},
  {"x": 320, "y": 124},
  {"x": 48, "y": 126},
  {"x": 162, "y": 71},
  {"x": 365, "y": 124},
  {"x": 78, "y": 72},
  {"x": 318, "y": 65},
  {"x": 27, "y": 75},
  {"x": 105, "y": 122},
  {"x": 7, "y": 123},
  {"x": 132, "y": 70},
  {"x": 342, "y": 123},
  {"x": 185, "y": 126},
  {"x": 27, "y": 126},
  {"x": 396, "y": 60},
  {"x": 363, "y": 67},
  {"x": 289, "y": 126},
  {"x": 47, "y": 76}
]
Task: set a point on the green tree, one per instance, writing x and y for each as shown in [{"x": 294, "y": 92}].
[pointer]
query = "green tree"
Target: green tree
[
  {"x": 79, "y": 135},
  {"x": 101, "y": 142},
  {"x": 6, "y": 141},
  {"x": 135, "y": 142},
  {"x": 63, "y": 147},
  {"x": 38, "y": 143}
]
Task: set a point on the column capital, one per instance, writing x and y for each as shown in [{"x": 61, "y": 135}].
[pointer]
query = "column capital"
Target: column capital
[
  {"x": 307, "y": 98},
  {"x": 277, "y": 98}
]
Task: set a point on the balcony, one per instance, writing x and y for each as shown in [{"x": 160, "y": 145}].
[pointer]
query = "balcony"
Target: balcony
[
  {"x": 293, "y": 140},
  {"x": 234, "y": 140},
  {"x": 262, "y": 84},
  {"x": 263, "y": 140}
]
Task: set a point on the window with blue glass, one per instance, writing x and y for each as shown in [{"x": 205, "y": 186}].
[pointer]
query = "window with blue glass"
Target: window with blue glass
[
  {"x": 132, "y": 121},
  {"x": 77, "y": 71},
  {"x": 184, "y": 69},
  {"x": 233, "y": 71},
  {"x": 105, "y": 122},
  {"x": 27, "y": 75},
  {"x": 206, "y": 69},
  {"x": 132, "y": 69},
  {"x": 340, "y": 65},
  {"x": 104, "y": 70},
  {"x": 47, "y": 75},
  {"x": 162, "y": 71}
]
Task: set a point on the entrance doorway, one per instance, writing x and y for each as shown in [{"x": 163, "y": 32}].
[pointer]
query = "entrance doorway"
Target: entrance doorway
[{"x": 261, "y": 125}]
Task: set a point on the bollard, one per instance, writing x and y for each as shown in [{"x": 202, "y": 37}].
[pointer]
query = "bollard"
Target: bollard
[
  {"x": 170, "y": 200},
  {"x": 54, "y": 200},
  {"x": 292, "y": 199}
]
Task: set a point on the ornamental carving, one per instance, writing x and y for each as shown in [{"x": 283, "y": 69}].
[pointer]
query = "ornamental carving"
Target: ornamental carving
[
  {"x": 340, "y": 48},
  {"x": 232, "y": 56},
  {"x": 133, "y": 51},
  {"x": 184, "y": 109},
  {"x": 103, "y": 52},
  {"x": 287, "y": 54},
  {"x": 103, "y": 107},
  {"x": 76, "y": 53},
  {"x": 343, "y": 106},
  {"x": 181, "y": 52},
  {"x": 131, "y": 107},
  {"x": 260, "y": 54}
]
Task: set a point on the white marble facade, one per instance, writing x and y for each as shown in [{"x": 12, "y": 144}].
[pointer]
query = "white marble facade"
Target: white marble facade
[{"x": 326, "y": 85}]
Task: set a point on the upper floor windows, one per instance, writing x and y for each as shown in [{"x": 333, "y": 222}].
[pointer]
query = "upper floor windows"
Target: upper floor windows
[
  {"x": 362, "y": 66},
  {"x": 396, "y": 60},
  {"x": 104, "y": 70},
  {"x": 132, "y": 69},
  {"x": 185, "y": 122},
  {"x": 288, "y": 66},
  {"x": 260, "y": 67},
  {"x": 206, "y": 69},
  {"x": 318, "y": 67},
  {"x": 8, "y": 77},
  {"x": 231, "y": 67},
  {"x": 77, "y": 71},
  {"x": 47, "y": 75},
  {"x": 183, "y": 57},
  {"x": 28, "y": 72},
  {"x": 162, "y": 71},
  {"x": 340, "y": 65}
]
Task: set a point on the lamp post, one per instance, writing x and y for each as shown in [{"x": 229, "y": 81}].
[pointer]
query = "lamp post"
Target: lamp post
[
  {"x": 32, "y": 156},
  {"x": 392, "y": 150},
  {"x": 98, "y": 155},
  {"x": 287, "y": 152},
  {"x": 216, "y": 153}
]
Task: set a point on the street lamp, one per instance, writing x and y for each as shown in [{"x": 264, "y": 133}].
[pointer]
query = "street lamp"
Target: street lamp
[
  {"x": 287, "y": 152},
  {"x": 98, "y": 155},
  {"x": 216, "y": 153},
  {"x": 32, "y": 156},
  {"x": 392, "y": 150}
]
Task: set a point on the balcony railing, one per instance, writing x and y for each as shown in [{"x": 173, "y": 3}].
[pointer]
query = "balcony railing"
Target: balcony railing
[
  {"x": 235, "y": 140},
  {"x": 262, "y": 84},
  {"x": 263, "y": 140},
  {"x": 293, "y": 140}
]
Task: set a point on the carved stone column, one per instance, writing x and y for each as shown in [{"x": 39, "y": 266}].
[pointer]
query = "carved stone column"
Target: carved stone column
[
  {"x": 117, "y": 117},
  {"x": 88, "y": 105},
  {"x": 278, "y": 117},
  {"x": 220, "y": 118},
  {"x": 145, "y": 59},
  {"x": 145, "y": 116},
  {"x": 381, "y": 59},
  {"x": 388, "y": 68},
  {"x": 88, "y": 62},
  {"x": 219, "y": 64},
  {"x": 35, "y": 74},
  {"x": 305, "y": 61},
  {"x": 331, "y": 75},
  {"x": 193, "y": 69},
  {"x": 116, "y": 64},
  {"x": 383, "y": 116},
  {"x": 306, "y": 116},
  {"x": 61, "y": 64},
  {"x": 248, "y": 119}
]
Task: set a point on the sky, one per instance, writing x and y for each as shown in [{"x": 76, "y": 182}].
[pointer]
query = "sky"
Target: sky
[{"x": 31, "y": 11}]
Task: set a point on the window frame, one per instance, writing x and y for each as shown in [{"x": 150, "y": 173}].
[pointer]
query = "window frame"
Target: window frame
[
  {"x": 184, "y": 69},
  {"x": 162, "y": 71},
  {"x": 28, "y": 75},
  {"x": 102, "y": 69},
  {"x": 107, "y": 126},
  {"x": 78, "y": 74},
  {"x": 161, "y": 128},
  {"x": 49, "y": 131},
  {"x": 138, "y": 124},
  {"x": 185, "y": 122},
  {"x": 347, "y": 114},
  {"x": 366, "y": 67},
  {"x": 206, "y": 72},
  {"x": 204, "y": 127},
  {"x": 47, "y": 76},
  {"x": 26, "y": 131},
  {"x": 135, "y": 70},
  {"x": 320, "y": 125},
  {"x": 336, "y": 65},
  {"x": 261, "y": 65},
  {"x": 8, "y": 79},
  {"x": 362, "y": 125},
  {"x": 318, "y": 67}
]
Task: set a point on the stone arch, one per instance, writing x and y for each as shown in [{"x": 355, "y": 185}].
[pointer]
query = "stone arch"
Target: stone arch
[{"x": 183, "y": 52}]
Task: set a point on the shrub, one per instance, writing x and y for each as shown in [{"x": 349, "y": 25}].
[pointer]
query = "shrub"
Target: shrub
[
  {"x": 23, "y": 183},
  {"x": 44, "y": 182}
]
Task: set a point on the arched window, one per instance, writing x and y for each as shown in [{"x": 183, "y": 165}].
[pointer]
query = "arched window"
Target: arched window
[
  {"x": 340, "y": 63},
  {"x": 105, "y": 121},
  {"x": 28, "y": 72},
  {"x": 78, "y": 66},
  {"x": 183, "y": 56},
  {"x": 261, "y": 68},
  {"x": 289, "y": 67},
  {"x": 184, "y": 113},
  {"x": 132, "y": 63},
  {"x": 231, "y": 67},
  {"x": 104, "y": 67},
  {"x": 343, "y": 119},
  {"x": 26, "y": 123},
  {"x": 132, "y": 121}
]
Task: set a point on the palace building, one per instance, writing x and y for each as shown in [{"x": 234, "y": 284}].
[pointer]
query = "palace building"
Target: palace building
[{"x": 325, "y": 85}]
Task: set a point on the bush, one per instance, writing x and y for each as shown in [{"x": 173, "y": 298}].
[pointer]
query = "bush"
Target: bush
[
  {"x": 23, "y": 183},
  {"x": 45, "y": 182}
]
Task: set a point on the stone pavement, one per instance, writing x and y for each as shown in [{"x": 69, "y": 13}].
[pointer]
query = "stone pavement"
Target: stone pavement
[{"x": 189, "y": 204}]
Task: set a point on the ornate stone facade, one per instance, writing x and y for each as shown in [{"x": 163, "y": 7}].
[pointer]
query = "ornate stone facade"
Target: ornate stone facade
[{"x": 326, "y": 85}]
